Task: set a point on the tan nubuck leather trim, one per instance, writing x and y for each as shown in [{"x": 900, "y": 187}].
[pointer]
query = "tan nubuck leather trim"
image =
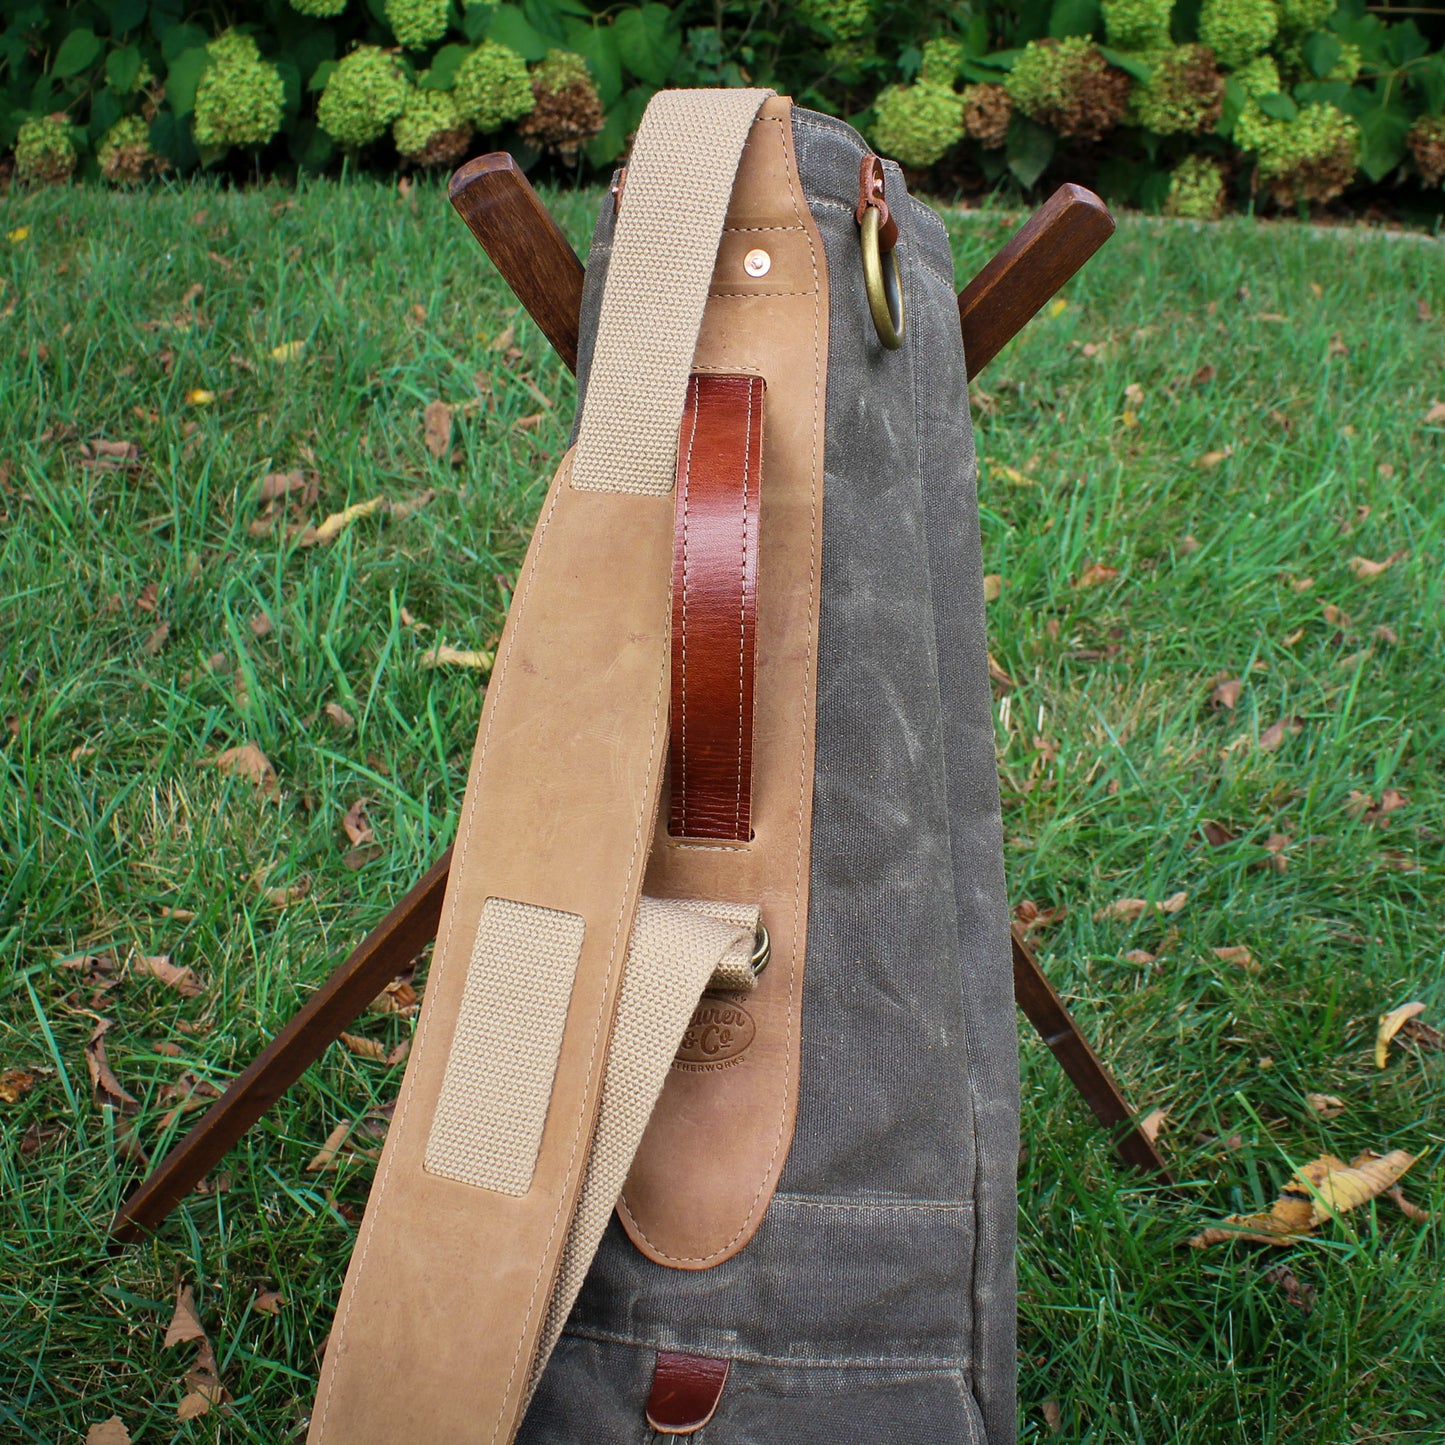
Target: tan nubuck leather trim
[{"x": 716, "y": 1144}]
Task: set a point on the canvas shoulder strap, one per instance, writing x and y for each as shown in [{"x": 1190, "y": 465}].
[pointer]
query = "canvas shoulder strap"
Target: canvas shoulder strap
[{"x": 472, "y": 1237}]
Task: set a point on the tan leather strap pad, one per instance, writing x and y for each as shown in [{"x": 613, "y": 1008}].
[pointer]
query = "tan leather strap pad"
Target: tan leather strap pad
[
  {"x": 718, "y": 1138},
  {"x": 714, "y": 607}
]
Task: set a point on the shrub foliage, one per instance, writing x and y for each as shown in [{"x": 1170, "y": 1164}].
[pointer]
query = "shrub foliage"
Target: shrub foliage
[{"x": 1172, "y": 104}]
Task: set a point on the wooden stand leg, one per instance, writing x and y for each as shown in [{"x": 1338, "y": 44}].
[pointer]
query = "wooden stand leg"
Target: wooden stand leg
[
  {"x": 1046, "y": 1012},
  {"x": 386, "y": 951},
  {"x": 515, "y": 229}
]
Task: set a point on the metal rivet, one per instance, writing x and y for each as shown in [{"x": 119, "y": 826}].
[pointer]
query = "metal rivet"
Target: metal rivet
[{"x": 757, "y": 263}]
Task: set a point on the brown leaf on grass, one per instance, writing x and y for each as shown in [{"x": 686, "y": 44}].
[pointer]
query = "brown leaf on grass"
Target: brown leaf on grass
[
  {"x": 108, "y": 1432},
  {"x": 203, "y": 1385},
  {"x": 1030, "y": 916},
  {"x": 398, "y": 997},
  {"x": 400, "y": 511},
  {"x": 248, "y": 761},
  {"x": 107, "y": 1089},
  {"x": 16, "y": 1083},
  {"x": 282, "y": 895},
  {"x": 1053, "y": 1416},
  {"x": 1272, "y": 738},
  {"x": 347, "y": 1139},
  {"x": 338, "y": 717},
  {"x": 1410, "y": 1210},
  {"x": 1217, "y": 835},
  {"x": 1095, "y": 574},
  {"x": 1151, "y": 1124},
  {"x": 1288, "y": 1220},
  {"x": 364, "y": 1048},
  {"x": 1128, "y": 909},
  {"x": 443, "y": 655},
  {"x": 146, "y": 600},
  {"x": 1001, "y": 681},
  {"x": 355, "y": 825},
  {"x": 275, "y": 485},
  {"x": 1210, "y": 460},
  {"x": 399, "y": 1054},
  {"x": 992, "y": 587},
  {"x": 1238, "y": 955},
  {"x": 1336, "y": 616},
  {"x": 1275, "y": 845},
  {"x": 261, "y": 625},
  {"x": 268, "y": 1302},
  {"x": 1327, "y": 1106},
  {"x": 1436, "y": 415},
  {"x": 101, "y": 455},
  {"x": 1364, "y": 568},
  {"x": 1141, "y": 957},
  {"x": 159, "y": 965},
  {"x": 357, "y": 858},
  {"x": 166, "y": 1047},
  {"x": 1227, "y": 693},
  {"x": 1203, "y": 376},
  {"x": 338, "y": 522},
  {"x": 437, "y": 428},
  {"x": 185, "y": 1324},
  {"x": 157, "y": 639},
  {"x": 1301, "y": 1296},
  {"x": 1390, "y": 1025},
  {"x": 1342, "y": 1187}
]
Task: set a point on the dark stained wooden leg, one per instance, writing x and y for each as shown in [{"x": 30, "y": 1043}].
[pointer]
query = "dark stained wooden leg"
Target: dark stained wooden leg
[
  {"x": 1041, "y": 257},
  {"x": 526, "y": 245},
  {"x": 385, "y": 952},
  {"x": 1046, "y": 1012}
]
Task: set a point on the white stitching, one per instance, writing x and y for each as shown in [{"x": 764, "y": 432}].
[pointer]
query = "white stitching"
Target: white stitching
[
  {"x": 743, "y": 619},
  {"x": 680, "y": 782}
]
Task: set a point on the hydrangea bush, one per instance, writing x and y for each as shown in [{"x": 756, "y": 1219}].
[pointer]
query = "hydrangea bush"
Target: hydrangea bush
[{"x": 1185, "y": 107}]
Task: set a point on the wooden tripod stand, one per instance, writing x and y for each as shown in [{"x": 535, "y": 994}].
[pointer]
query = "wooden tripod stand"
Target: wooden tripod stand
[{"x": 528, "y": 248}]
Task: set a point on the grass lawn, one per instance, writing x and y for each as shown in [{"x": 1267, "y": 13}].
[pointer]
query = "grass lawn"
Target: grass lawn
[{"x": 1181, "y": 465}]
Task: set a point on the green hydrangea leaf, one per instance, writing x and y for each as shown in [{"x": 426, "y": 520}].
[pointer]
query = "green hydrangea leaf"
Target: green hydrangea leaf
[
  {"x": 648, "y": 43},
  {"x": 510, "y": 27},
  {"x": 122, "y": 68},
  {"x": 321, "y": 75},
  {"x": 1382, "y": 140},
  {"x": 1029, "y": 149},
  {"x": 597, "y": 44},
  {"x": 1322, "y": 52},
  {"x": 78, "y": 51},
  {"x": 1073, "y": 17},
  {"x": 444, "y": 64},
  {"x": 106, "y": 107},
  {"x": 1122, "y": 60},
  {"x": 1404, "y": 43},
  {"x": 183, "y": 77},
  {"x": 181, "y": 38},
  {"x": 126, "y": 15},
  {"x": 1278, "y": 106}
]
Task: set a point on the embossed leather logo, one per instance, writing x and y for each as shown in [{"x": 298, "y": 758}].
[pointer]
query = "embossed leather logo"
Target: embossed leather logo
[{"x": 717, "y": 1036}]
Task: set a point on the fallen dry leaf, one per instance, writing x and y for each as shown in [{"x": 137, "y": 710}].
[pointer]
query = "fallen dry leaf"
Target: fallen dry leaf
[
  {"x": 1410, "y": 1210},
  {"x": 444, "y": 656},
  {"x": 354, "y": 823},
  {"x": 1030, "y": 916},
  {"x": 288, "y": 351},
  {"x": 1128, "y": 909},
  {"x": 1210, "y": 460},
  {"x": 1327, "y": 1106},
  {"x": 998, "y": 677},
  {"x": 108, "y": 1432},
  {"x": 1301, "y": 1296},
  {"x": 364, "y": 1048},
  {"x": 185, "y": 1322},
  {"x": 1227, "y": 693},
  {"x": 107, "y": 1089},
  {"x": 357, "y": 858},
  {"x": 1272, "y": 738},
  {"x": 1217, "y": 835},
  {"x": 16, "y": 1083},
  {"x": 282, "y": 895},
  {"x": 1141, "y": 956},
  {"x": 1053, "y": 1416},
  {"x": 268, "y": 1302},
  {"x": 159, "y": 635},
  {"x": 338, "y": 522},
  {"x": 1095, "y": 574},
  {"x": 183, "y": 980},
  {"x": 370, "y": 1128},
  {"x": 248, "y": 761},
  {"x": 1390, "y": 1025},
  {"x": 338, "y": 717},
  {"x": 398, "y": 1055},
  {"x": 1364, "y": 568},
  {"x": 261, "y": 625},
  {"x": 280, "y": 484},
  {"x": 400, "y": 511},
  {"x": 1238, "y": 955},
  {"x": 992, "y": 587},
  {"x": 437, "y": 428},
  {"x": 1152, "y": 1123},
  {"x": 146, "y": 599},
  {"x": 398, "y": 997},
  {"x": 1436, "y": 415}
]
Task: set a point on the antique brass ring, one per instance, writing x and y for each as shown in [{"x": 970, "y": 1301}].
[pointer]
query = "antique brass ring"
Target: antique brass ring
[
  {"x": 883, "y": 284},
  {"x": 763, "y": 950}
]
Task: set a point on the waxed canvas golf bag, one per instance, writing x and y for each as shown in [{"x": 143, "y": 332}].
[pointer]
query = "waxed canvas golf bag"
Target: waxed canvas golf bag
[{"x": 710, "y": 1124}]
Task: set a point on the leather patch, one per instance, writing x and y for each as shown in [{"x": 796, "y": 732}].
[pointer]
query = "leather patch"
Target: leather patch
[
  {"x": 714, "y": 607},
  {"x": 685, "y": 1392}
]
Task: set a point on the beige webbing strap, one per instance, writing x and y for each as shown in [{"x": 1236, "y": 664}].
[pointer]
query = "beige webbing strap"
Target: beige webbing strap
[
  {"x": 679, "y": 947},
  {"x": 679, "y": 179}
]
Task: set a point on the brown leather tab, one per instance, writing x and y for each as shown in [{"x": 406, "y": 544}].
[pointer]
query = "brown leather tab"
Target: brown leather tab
[
  {"x": 685, "y": 1392},
  {"x": 714, "y": 607}
]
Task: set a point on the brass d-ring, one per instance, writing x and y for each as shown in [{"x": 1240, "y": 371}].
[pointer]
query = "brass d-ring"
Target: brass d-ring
[{"x": 883, "y": 284}]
